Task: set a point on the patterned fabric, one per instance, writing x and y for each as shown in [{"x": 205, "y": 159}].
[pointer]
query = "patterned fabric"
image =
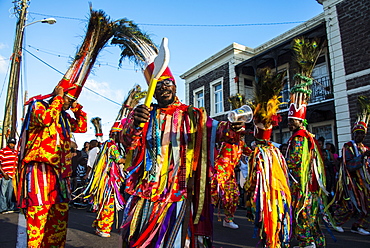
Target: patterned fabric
[
  {"x": 46, "y": 156},
  {"x": 47, "y": 225},
  {"x": 104, "y": 186},
  {"x": 225, "y": 188},
  {"x": 353, "y": 186},
  {"x": 307, "y": 187},
  {"x": 168, "y": 166},
  {"x": 105, "y": 217},
  {"x": 268, "y": 195},
  {"x": 8, "y": 161}
]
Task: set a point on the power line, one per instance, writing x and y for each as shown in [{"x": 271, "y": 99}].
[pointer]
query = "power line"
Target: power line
[
  {"x": 187, "y": 25},
  {"x": 63, "y": 74}
]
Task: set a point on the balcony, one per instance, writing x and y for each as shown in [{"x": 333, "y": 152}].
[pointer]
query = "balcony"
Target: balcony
[{"x": 322, "y": 89}]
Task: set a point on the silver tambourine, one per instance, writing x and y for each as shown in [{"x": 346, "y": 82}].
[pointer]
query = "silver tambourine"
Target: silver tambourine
[{"x": 244, "y": 113}]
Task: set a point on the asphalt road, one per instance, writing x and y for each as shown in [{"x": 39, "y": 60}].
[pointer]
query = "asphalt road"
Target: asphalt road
[{"x": 81, "y": 235}]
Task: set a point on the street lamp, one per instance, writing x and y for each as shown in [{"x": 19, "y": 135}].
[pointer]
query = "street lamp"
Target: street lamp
[{"x": 10, "y": 113}]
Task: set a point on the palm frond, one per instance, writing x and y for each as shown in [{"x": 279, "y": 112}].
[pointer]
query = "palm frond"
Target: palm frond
[
  {"x": 237, "y": 101},
  {"x": 363, "y": 109}
]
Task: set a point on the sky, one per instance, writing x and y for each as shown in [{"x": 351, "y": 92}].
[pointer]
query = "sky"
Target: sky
[{"x": 196, "y": 30}]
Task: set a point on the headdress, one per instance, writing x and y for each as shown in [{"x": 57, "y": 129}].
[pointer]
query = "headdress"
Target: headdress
[
  {"x": 117, "y": 127},
  {"x": 266, "y": 102},
  {"x": 96, "y": 121},
  {"x": 363, "y": 115},
  {"x": 306, "y": 54}
]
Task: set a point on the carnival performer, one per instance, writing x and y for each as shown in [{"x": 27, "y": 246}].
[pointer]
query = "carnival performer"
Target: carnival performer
[
  {"x": 168, "y": 164},
  {"x": 353, "y": 194},
  {"x": 303, "y": 156},
  {"x": 44, "y": 187},
  {"x": 225, "y": 189},
  {"x": 45, "y": 151},
  {"x": 267, "y": 185},
  {"x": 104, "y": 187}
]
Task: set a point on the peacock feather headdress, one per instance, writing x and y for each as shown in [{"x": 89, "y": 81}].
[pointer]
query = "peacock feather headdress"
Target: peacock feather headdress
[
  {"x": 363, "y": 115},
  {"x": 306, "y": 53}
]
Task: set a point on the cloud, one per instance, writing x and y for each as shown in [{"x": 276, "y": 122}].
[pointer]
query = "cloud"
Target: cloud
[
  {"x": 3, "y": 64},
  {"x": 103, "y": 89}
]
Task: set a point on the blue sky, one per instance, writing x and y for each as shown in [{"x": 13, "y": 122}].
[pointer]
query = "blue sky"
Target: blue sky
[{"x": 189, "y": 45}]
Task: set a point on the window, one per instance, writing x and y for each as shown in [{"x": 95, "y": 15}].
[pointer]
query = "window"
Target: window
[
  {"x": 217, "y": 92},
  {"x": 325, "y": 131},
  {"x": 199, "y": 99}
]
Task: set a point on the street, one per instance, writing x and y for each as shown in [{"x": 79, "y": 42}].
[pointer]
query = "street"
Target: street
[{"x": 81, "y": 235}]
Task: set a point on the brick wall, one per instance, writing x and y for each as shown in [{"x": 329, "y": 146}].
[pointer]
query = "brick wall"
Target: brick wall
[
  {"x": 358, "y": 81},
  {"x": 354, "y": 24},
  {"x": 205, "y": 80}
]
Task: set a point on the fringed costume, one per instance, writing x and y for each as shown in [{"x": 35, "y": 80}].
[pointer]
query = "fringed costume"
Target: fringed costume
[
  {"x": 104, "y": 186},
  {"x": 309, "y": 195},
  {"x": 169, "y": 164},
  {"x": 353, "y": 186},
  {"x": 267, "y": 187}
]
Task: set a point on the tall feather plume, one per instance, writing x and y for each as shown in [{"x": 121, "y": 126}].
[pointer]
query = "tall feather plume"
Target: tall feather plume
[
  {"x": 265, "y": 103},
  {"x": 306, "y": 53},
  {"x": 237, "y": 101},
  {"x": 363, "y": 109},
  {"x": 98, "y": 33},
  {"x": 96, "y": 121},
  {"x": 135, "y": 44},
  {"x": 133, "y": 98}
]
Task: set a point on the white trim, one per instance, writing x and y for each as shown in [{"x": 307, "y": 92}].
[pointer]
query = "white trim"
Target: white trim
[{"x": 358, "y": 74}]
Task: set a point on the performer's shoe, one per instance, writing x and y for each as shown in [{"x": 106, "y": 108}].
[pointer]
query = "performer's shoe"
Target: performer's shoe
[
  {"x": 338, "y": 229},
  {"x": 102, "y": 234},
  {"x": 312, "y": 245},
  {"x": 230, "y": 224},
  {"x": 360, "y": 231}
]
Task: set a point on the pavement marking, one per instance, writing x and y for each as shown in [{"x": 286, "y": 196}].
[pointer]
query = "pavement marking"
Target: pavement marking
[{"x": 21, "y": 233}]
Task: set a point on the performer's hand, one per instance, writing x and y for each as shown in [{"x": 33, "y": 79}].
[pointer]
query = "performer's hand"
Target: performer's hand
[
  {"x": 6, "y": 176},
  {"x": 238, "y": 126},
  {"x": 74, "y": 104},
  {"x": 141, "y": 114},
  {"x": 58, "y": 91}
]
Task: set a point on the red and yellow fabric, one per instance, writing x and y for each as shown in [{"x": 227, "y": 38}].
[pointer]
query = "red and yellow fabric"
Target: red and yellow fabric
[
  {"x": 169, "y": 168},
  {"x": 105, "y": 218},
  {"x": 225, "y": 189},
  {"x": 8, "y": 161},
  {"x": 268, "y": 195},
  {"x": 47, "y": 160},
  {"x": 47, "y": 225}
]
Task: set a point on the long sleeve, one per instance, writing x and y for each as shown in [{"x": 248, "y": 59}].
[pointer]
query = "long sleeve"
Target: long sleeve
[
  {"x": 294, "y": 159},
  {"x": 352, "y": 161},
  {"x": 79, "y": 124},
  {"x": 42, "y": 116}
]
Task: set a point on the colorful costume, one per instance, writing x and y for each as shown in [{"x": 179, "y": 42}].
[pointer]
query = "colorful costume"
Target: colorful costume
[
  {"x": 308, "y": 187},
  {"x": 267, "y": 187},
  {"x": 104, "y": 187},
  {"x": 225, "y": 189},
  {"x": 353, "y": 186},
  {"x": 44, "y": 189},
  {"x": 169, "y": 177}
]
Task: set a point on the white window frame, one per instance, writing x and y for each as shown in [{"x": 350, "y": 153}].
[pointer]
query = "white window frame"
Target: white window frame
[
  {"x": 213, "y": 100},
  {"x": 277, "y": 132},
  {"x": 195, "y": 97},
  {"x": 323, "y": 123}
]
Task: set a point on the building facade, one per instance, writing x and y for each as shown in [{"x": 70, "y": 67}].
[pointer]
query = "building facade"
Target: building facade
[{"x": 341, "y": 74}]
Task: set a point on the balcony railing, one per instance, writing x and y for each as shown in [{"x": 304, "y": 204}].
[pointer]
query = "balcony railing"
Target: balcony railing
[{"x": 322, "y": 89}]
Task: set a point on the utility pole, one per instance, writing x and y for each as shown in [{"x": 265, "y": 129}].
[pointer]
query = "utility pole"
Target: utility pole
[{"x": 11, "y": 103}]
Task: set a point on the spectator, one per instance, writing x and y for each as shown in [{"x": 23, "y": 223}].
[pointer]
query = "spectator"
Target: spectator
[
  {"x": 93, "y": 154},
  {"x": 8, "y": 166}
]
